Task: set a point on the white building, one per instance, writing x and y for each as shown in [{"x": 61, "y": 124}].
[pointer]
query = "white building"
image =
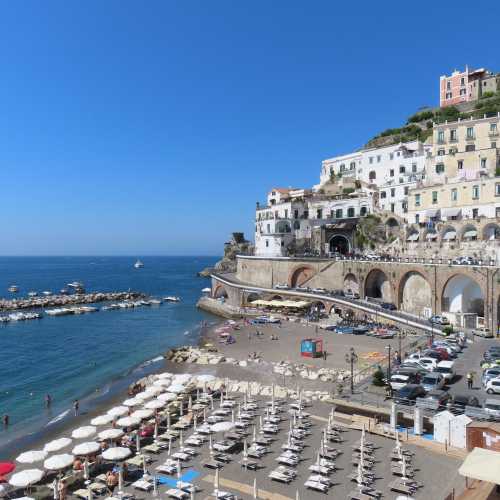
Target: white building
[{"x": 394, "y": 170}]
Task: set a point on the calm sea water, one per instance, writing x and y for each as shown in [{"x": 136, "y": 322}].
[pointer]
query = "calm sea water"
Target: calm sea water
[{"x": 79, "y": 356}]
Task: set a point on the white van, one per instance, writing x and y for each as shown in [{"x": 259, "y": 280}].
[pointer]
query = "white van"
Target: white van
[
  {"x": 398, "y": 381},
  {"x": 446, "y": 369}
]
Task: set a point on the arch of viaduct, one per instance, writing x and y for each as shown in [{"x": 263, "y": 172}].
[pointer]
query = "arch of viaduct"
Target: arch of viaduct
[{"x": 411, "y": 287}]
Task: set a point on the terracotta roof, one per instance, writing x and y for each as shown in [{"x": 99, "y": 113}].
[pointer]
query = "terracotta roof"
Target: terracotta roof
[{"x": 495, "y": 426}]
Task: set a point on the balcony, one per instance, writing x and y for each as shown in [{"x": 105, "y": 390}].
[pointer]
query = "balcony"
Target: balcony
[
  {"x": 493, "y": 133},
  {"x": 441, "y": 141},
  {"x": 470, "y": 138}
]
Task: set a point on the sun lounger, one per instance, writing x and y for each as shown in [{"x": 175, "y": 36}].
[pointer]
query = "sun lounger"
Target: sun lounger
[
  {"x": 212, "y": 464},
  {"x": 277, "y": 476},
  {"x": 101, "y": 477},
  {"x": 316, "y": 485},
  {"x": 399, "y": 487},
  {"x": 167, "y": 469},
  {"x": 249, "y": 464},
  {"x": 357, "y": 495},
  {"x": 264, "y": 441},
  {"x": 223, "y": 457},
  {"x": 287, "y": 461},
  {"x": 224, "y": 495},
  {"x": 152, "y": 448},
  {"x": 319, "y": 469},
  {"x": 183, "y": 457},
  {"x": 137, "y": 460},
  {"x": 292, "y": 447},
  {"x": 177, "y": 493},
  {"x": 142, "y": 485},
  {"x": 82, "y": 493},
  {"x": 321, "y": 479}
]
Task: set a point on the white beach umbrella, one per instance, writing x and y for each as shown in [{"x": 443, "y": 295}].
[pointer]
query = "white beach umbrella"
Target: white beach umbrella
[
  {"x": 84, "y": 432},
  {"x": 164, "y": 375},
  {"x": 57, "y": 444},
  {"x": 31, "y": 457},
  {"x": 181, "y": 378},
  {"x": 206, "y": 377},
  {"x": 116, "y": 454},
  {"x": 59, "y": 462},
  {"x": 111, "y": 434},
  {"x": 128, "y": 422},
  {"x": 176, "y": 388},
  {"x": 154, "y": 405},
  {"x": 102, "y": 420},
  {"x": 162, "y": 382},
  {"x": 132, "y": 402},
  {"x": 144, "y": 395},
  {"x": 142, "y": 414},
  {"x": 222, "y": 426},
  {"x": 87, "y": 448},
  {"x": 167, "y": 397},
  {"x": 118, "y": 411},
  {"x": 154, "y": 390},
  {"x": 26, "y": 478}
]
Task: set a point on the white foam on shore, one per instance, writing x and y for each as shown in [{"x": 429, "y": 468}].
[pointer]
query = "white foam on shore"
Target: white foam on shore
[{"x": 58, "y": 418}]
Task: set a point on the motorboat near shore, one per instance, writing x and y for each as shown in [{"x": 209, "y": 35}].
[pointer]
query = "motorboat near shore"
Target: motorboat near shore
[
  {"x": 19, "y": 316},
  {"x": 13, "y": 289},
  {"x": 171, "y": 298},
  {"x": 138, "y": 264},
  {"x": 65, "y": 311}
]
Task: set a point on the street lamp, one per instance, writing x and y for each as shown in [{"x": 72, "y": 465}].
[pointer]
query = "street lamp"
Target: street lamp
[
  {"x": 351, "y": 357},
  {"x": 388, "y": 347}
]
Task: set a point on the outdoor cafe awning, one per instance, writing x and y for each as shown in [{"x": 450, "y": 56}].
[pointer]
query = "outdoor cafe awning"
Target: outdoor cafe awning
[
  {"x": 482, "y": 464},
  {"x": 451, "y": 212},
  {"x": 450, "y": 235},
  {"x": 432, "y": 212},
  {"x": 431, "y": 236},
  {"x": 413, "y": 237}
]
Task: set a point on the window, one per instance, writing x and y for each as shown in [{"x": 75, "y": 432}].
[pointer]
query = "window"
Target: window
[
  {"x": 352, "y": 165},
  {"x": 378, "y": 158},
  {"x": 470, "y": 133},
  {"x": 342, "y": 167},
  {"x": 383, "y": 194},
  {"x": 392, "y": 207},
  {"x": 449, "y": 95},
  {"x": 448, "y": 85},
  {"x": 295, "y": 214},
  {"x": 393, "y": 192},
  {"x": 497, "y": 212},
  {"x": 493, "y": 127},
  {"x": 497, "y": 189},
  {"x": 475, "y": 192},
  {"x": 267, "y": 243},
  {"x": 453, "y": 151},
  {"x": 282, "y": 243},
  {"x": 414, "y": 168},
  {"x": 391, "y": 172},
  {"x": 475, "y": 213},
  {"x": 440, "y": 137},
  {"x": 363, "y": 211},
  {"x": 372, "y": 175},
  {"x": 453, "y": 134},
  {"x": 483, "y": 162},
  {"x": 332, "y": 214},
  {"x": 454, "y": 194},
  {"x": 370, "y": 159},
  {"x": 407, "y": 189},
  {"x": 440, "y": 168},
  {"x": 401, "y": 180},
  {"x": 391, "y": 156},
  {"x": 286, "y": 213},
  {"x": 441, "y": 152},
  {"x": 493, "y": 145},
  {"x": 417, "y": 200},
  {"x": 338, "y": 213},
  {"x": 296, "y": 225},
  {"x": 462, "y": 81},
  {"x": 463, "y": 91},
  {"x": 417, "y": 219},
  {"x": 434, "y": 197},
  {"x": 350, "y": 212},
  {"x": 460, "y": 164},
  {"x": 306, "y": 214},
  {"x": 470, "y": 147},
  {"x": 319, "y": 213},
  {"x": 268, "y": 228},
  {"x": 402, "y": 169}
]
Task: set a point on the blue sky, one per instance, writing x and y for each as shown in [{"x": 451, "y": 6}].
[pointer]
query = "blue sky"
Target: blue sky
[{"x": 153, "y": 127}]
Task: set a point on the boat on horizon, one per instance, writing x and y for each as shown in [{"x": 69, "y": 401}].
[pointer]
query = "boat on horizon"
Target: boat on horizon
[
  {"x": 32, "y": 294},
  {"x": 13, "y": 289},
  {"x": 138, "y": 264}
]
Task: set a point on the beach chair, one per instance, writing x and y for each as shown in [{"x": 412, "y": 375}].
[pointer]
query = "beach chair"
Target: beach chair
[
  {"x": 142, "y": 485},
  {"x": 399, "y": 487},
  {"x": 321, "y": 479},
  {"x": 316, "y": 485},
  {"x": 249, "y": 464},
  {"x": 177, "y": 493},
  {"x": 357, "y": 495},
  {"x": 223, "y": 457},
  {"x": 98, "y": 488},
  {"x": 320, "y": 469},
  {"x": 278, "y": 476},
  {"x": 82, "y": 493},
  {"x": 152, "y": 448},
  {"x": 179, "y": 455},
  {"x": 212, "y": 464},
  {"x": 167, "y": 469},
  {"x": 287, "y": 460}
]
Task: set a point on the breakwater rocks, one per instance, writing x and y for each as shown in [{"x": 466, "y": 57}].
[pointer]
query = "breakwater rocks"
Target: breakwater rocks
[
  {"x": 66, "y": 300},
  {"x": 198, "y": 355}
]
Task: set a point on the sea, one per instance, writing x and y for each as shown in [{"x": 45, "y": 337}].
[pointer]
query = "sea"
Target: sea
[{"x": 92, "y": 356}]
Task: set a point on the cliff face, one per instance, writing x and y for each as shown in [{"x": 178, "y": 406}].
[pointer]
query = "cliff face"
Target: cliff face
[{"x": 237, "y": 246}]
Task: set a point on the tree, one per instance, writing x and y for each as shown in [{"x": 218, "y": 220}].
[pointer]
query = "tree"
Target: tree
[{"x": 378, "y": 378}]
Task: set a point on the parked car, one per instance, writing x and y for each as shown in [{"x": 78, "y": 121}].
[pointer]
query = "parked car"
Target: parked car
[
  {"x": 439, "y": 396},
  {"x": 489, "y": 374},
  {"x": 409, "y": 393},
  {"x": 399, "y": 380},
  {"x": 434, "y": 354},
  {"x": 463, "y": 400},
  {"x": 319, "y": 290},
  {"x": 432, "y": 381},
  {"x": 351, "y": 295},
  {"x": 430, "y": 363},
  {"x": 483, "y": 332},
  {"x": 371, "y": 256},
  {"x": 337, "y": 293},
  {"x": 439, "y": 320},
  {"x": 493, "y": 386},
  {"x": 492, "y": 353},
  {"x": 446, "y": 369},
  {"x": 281, "y": 286},
  {"x": 388, "y": 305},
  {"x": 451, "y": 347},
  {"x": 409, "y": 368},
  {"x": 445, "y": 355},
  {"x": 414, "y": 363},
  {"x": 302, "y": 289},
  {"x": 492, "y": 407}
]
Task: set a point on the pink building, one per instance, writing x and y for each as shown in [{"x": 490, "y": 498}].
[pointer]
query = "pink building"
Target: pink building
[{"x": 464, "y": 86}]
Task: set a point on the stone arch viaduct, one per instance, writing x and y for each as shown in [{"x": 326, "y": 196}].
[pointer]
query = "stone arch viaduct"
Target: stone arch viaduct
[{"x": 421, "y": 289}]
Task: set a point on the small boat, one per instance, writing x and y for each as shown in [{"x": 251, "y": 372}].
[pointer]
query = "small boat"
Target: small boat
[
  {"x": 155, "y": 302},
  {"x": 47, "y": 293},
  {"x": 138, "y": 264},
  {"x": 77, "y": 287},
  {"x": 13, "y": 289},
  {"x": 171, "y": 299},
  {"x": 32, "y": 294},
  {"x": 64, "y": 291}
]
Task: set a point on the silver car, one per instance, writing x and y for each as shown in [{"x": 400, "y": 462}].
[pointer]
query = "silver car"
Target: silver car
[
  {"x": 492, "y": 407},
  {"x": 432, "y": 381},
  {"x": 489, "y": 374}
]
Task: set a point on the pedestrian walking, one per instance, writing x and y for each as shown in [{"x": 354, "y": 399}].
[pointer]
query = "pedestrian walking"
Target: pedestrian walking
[{"x": 469, "y": 380}]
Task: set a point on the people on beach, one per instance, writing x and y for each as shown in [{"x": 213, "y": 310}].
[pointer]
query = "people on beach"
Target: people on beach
[
  {"x": 62, "y": 489},
  {"x": 48, "y": 400},
  {"x": 5, "y": 420},
  {"x": 76, "y": 406},
  {"x": 111, "y": 481}
]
